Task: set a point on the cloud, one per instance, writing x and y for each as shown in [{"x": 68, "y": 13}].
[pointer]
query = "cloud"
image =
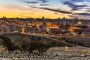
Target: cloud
[
  {"x": 80, "y": 16},
  {"x": 23, "y": 15},
  {"x": 79, "y": 0},
  {"x": 84, "y": 14},
  {"x": 35, "y": 1},
  {"x": 43, "y": 4},
  {"x": 43, "y": 1},
  {"x": 74, "y": 6},
  {"x": 26, "y": 13},
  {"x": 15, "y": 7},
  {"x": 56, "y": 10},
  {"x": 31, "y": 1}
]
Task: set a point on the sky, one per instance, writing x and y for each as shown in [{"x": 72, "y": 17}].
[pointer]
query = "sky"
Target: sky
[{"x": 47, "y": 8}]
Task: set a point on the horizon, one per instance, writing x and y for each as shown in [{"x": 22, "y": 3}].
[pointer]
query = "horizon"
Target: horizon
[{"x": 42, "y": 18}]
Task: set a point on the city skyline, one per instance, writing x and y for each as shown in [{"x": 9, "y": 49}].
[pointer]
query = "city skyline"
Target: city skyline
[{"x": 46, "y": 8}]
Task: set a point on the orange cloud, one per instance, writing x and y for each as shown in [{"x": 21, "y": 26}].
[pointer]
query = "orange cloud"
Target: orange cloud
[{"x": 12, "y": 11}]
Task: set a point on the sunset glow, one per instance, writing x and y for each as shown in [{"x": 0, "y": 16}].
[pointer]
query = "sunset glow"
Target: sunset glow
[{"x": 46, "y": 8}]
